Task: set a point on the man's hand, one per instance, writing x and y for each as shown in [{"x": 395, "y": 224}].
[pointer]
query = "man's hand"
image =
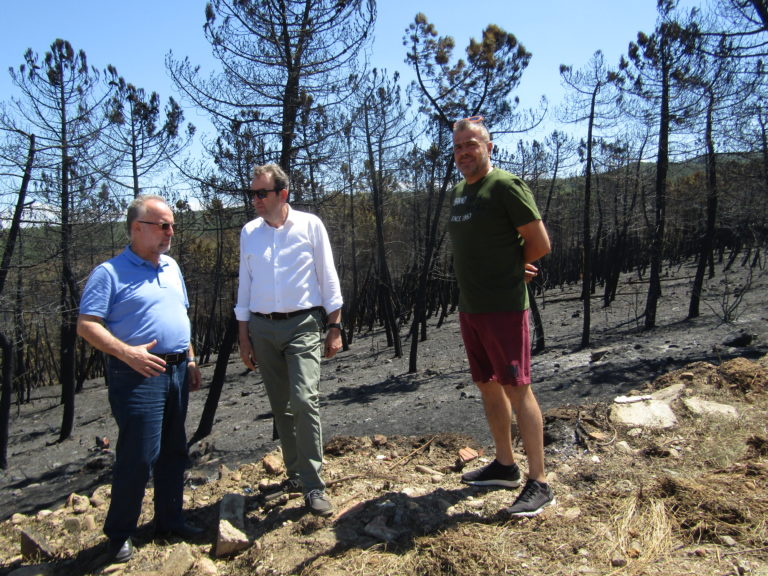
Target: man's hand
[
  {"x": 194, "y": 376},
  {"x": 332, "y": 343},
  {"x": 246, "y": 353},
  {"x": 530, "y": 273},
  {"x": 142, "y": 360}
]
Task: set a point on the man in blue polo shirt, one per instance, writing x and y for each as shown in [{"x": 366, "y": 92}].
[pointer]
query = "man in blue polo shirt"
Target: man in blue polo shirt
[{"x": 134, "y": 308}]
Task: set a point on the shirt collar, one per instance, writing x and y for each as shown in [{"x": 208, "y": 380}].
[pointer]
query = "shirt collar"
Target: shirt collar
[{"x": 137, "y": 260}]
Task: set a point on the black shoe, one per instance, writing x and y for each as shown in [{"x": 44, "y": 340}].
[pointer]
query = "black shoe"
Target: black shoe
[
  {"x": 494, "y": 474},
  {"x": 120, "y": 551},
  {"x": 532, "y": 500},
  {"x": 184, "y": 531},
  {"x": 290, "y": 485}
]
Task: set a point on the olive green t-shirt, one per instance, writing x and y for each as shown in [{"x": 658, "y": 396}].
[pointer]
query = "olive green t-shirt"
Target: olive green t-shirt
[{"x": 487, "y": 249}]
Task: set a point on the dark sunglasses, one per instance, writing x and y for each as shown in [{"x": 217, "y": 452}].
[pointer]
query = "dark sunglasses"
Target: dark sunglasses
[
  {"x": 261, "y": 194},
  {"x": 165, "y": 226}
]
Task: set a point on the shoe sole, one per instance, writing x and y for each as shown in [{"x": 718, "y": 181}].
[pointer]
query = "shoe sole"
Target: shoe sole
[
  {"x": 321, "y": 512},
  {"x": 532, "y": 512},
  {"x": 501, "y": 483}
]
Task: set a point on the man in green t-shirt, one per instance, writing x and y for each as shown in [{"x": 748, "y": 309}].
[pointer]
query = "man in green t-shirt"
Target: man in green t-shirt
[{"x": 497, "y": 233}]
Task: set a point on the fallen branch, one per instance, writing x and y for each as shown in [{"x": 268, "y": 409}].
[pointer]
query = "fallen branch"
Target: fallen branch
[{"x": 412, "y": 454}]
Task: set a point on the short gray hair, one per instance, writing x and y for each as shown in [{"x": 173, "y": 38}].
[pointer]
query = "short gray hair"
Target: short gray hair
[
  {"x": 137, "y": 209},
  {"x": 473, "y": 124}
]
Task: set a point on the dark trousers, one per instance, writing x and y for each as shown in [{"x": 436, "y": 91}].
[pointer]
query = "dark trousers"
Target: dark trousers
[{"x": 150, "y": 415}]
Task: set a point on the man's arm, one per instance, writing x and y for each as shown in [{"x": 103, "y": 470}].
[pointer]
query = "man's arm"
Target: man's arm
[
  {"x": 92, "y": 329},
  {"x": 333, "y": 341},
  {"x": 246, "y": 350},
  {"x": 536, "y": 246}
]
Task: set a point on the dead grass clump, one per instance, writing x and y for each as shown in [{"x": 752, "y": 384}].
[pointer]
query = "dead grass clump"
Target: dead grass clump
[
  {"x": 701, "y": 373},
  {"x": 726, "y": 502},
  {"x": 742, "y": 375},
  {"x": 641, "y": 531}
]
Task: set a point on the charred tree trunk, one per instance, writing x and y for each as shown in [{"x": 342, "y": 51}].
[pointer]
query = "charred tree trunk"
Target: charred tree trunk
[
  {"x": 705, "y": 253},
  {"x": 217, "y": 384}
]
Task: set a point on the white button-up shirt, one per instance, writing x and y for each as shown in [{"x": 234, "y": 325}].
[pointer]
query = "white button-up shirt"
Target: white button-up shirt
[{"x": 287, "y": 268}]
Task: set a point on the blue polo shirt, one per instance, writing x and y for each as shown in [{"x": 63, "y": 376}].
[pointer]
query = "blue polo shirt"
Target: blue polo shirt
[{"x": 139, "y": 302}]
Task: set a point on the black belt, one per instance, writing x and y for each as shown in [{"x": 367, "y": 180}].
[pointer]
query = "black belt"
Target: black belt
[
  {"x": 173, "y": 358},
  {"x": 285, "y": 315}
]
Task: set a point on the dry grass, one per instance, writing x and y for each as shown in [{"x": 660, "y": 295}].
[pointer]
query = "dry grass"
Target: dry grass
[{"x": 687, "y": 501}]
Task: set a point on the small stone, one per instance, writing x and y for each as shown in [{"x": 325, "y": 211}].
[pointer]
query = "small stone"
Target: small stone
[
  {"x": 224, "y": 472},
  {"x": 72, "y": 525},
  {"x": 89, "y": 522},
  {"x": 273, "y": 464},
  {"x": 79, "y": 504},
  {"x": 379, "y": 440},
  {"x": 179, "y": 561},
  {"x": 618, "y": 562},
  {"x": 204, "y": 566},
  {"x": 726, "y": 540},
  {"x": 624, "y": 447}
]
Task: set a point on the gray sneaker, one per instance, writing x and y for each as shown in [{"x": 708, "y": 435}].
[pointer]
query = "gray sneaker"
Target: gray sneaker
[
  {"x": 494, "y": 474},
  {"x": 532, "y": 500},
  {"x": 318, "y": 503}
]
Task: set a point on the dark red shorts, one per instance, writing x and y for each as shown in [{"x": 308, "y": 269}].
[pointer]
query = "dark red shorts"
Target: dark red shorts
[{"x": 498, "y": 346}]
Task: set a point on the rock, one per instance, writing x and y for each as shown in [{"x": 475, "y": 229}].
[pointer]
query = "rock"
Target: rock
[
  {"x": 72, "y": 525},
  {"x": 205, "y": 567},
  {"x": 79, "y": 504},
  {"x": 624, "y": 447},
  {"x": 35, "y": 547},
  {"x": 273, "y": 464},
  {"x": 18, "y": 518},
  {"x": 648, "y": 414},
  {"x": 701, "y": 407},
  {"x": 727, "y": 541},
  {"x": 89, "y": 522},
  {"x": 379, "y": 440},
  {"x": 224, "y": 472},
  {"x": 179, "y": 562},
  {"x": 618, "y": 562},
  {"x": 668, "y": 394},
  {"x": 230, "y": 540},
  {"x": 231, "y": 537}
]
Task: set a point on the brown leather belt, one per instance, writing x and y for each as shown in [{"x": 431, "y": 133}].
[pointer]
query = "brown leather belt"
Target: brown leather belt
[
  {"x": 285, "y": 315},
  {"x": 173, "y": 358}
]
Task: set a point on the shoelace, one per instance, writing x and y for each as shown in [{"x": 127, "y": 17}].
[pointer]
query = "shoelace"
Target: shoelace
[
  {"x": 529, "y": 493},
  {"x": 312, "y": 494}
]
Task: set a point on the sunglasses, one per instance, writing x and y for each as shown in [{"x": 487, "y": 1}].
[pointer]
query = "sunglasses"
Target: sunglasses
[
  {"x": 165, "y": 226},
  {"x": 261, "y": 194},
  {"x": 472, "y": 119}
]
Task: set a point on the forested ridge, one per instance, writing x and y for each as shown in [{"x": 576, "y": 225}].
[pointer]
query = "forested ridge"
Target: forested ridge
[{"x": 661, "y": 158}]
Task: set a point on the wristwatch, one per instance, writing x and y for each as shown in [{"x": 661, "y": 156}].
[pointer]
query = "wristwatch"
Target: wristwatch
[{"x": 333, "y": 325}]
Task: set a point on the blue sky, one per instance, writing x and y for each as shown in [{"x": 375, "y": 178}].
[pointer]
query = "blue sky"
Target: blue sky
[{"x": 136, "y": 36}]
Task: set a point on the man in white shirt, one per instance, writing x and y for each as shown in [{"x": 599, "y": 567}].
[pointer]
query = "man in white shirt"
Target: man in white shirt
[{"x": 287, "y": 278}]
